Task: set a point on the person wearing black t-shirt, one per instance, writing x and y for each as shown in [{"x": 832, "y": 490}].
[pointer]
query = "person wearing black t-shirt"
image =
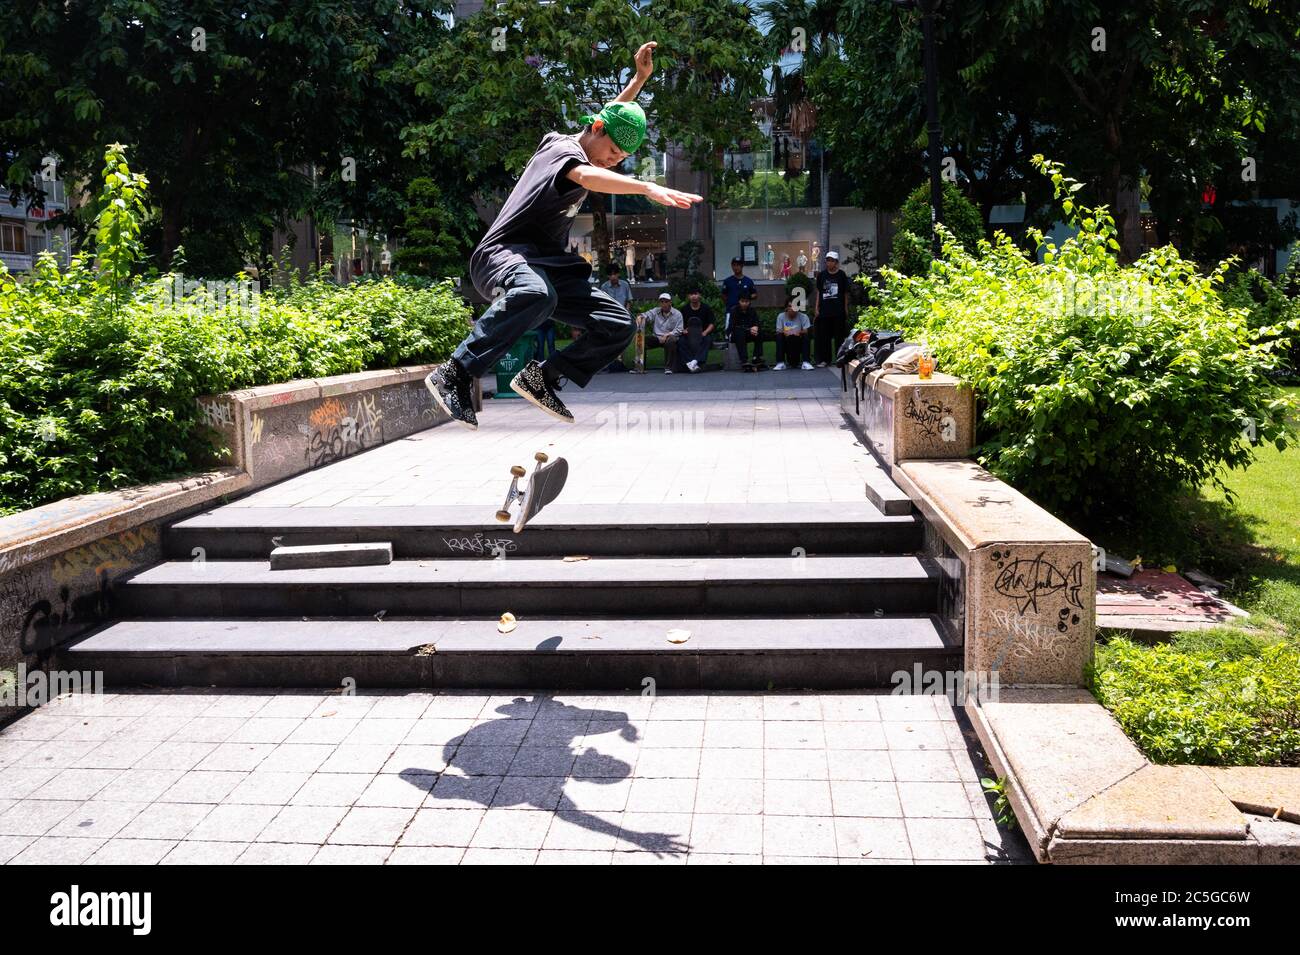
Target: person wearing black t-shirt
[
  {"x": 745, "y": 330},
  {"x": 699, "y": 322},
  {"x": 830, "y": 309}
]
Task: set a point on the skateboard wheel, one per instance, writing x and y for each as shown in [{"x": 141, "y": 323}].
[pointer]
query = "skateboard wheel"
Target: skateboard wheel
[
  {"x": 541, "y": 457},
  {"x": 518, "y": 470},
  {"x": 503, "y": 516}
]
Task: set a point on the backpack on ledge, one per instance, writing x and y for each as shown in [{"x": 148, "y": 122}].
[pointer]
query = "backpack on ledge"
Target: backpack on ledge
[{"x": 872, "y": 348}]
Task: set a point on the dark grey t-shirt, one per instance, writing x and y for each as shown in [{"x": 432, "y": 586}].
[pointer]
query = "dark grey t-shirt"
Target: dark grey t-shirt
[{"x": 533, "y": 225}]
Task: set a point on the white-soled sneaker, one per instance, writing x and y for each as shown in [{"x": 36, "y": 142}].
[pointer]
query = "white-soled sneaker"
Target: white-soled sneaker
[
  {"x": 531, "y": 385},
  {"x": 806, "y": 367},
  {"x": 693, "y": 365},
  {"x": 453, "y": 391},
  {"x": 779, "y": 366}
]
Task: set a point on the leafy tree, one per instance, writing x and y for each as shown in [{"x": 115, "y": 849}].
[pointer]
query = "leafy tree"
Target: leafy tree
[
  {"x": 912, "y": 248},
  {"x": 514, "y": 71},
  {"x": 437, "y": 236},
  {"x": 1178, "y": 90},
  {"x": 229, "y": 107}
]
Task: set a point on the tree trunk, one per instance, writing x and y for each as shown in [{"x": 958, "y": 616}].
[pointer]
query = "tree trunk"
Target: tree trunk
[
  {"x": 171, "y": 229},
  {"x": 1121, "y": 192},
  {"x": 600, "y": 231},
  {"x": 824, "y": 230}
]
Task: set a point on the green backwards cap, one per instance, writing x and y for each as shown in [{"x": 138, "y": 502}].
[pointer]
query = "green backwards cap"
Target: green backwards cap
[{"x": 625, "y": 123}]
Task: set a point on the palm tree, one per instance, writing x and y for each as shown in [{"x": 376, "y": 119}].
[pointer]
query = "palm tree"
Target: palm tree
[{"x": 806, "y": 27}]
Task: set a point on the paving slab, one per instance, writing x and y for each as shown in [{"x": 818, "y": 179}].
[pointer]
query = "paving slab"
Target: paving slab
[
  {"x": 1059, "y": 746},
  {"x": 1156, "y": 802},
  {"x": 1262, "y": 790},
  {"x": 614, "y": 775}
]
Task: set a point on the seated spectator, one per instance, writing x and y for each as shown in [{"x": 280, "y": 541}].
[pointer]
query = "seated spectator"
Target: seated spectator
[
  {"x": 694, "y": 348},
  {"x": 791, "y": 331},
  {"x": 743, "y": 328},
  {"x": 667, "y": 329}
]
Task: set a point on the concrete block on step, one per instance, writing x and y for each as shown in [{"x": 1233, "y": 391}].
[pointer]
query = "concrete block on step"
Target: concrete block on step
[{"x": 331, "y": 555}]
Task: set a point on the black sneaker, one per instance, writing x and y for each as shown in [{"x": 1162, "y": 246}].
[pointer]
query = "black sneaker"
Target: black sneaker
[
  {"x": 531, "y": 385},
  {"x": 453, "y": 391}
]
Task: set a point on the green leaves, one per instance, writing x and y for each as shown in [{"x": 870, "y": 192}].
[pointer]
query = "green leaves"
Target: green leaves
[
  {"x": 96, "y": 395},
  {"x": 1216, "y": 698},
  {"x": 1101, "y": 388}
]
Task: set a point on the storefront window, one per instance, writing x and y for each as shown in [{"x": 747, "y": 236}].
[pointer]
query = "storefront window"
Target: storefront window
[{"x": 767, "y": 207}]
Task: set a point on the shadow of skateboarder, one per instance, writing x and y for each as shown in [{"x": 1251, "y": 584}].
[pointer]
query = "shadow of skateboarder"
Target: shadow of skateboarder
[{"x": 476, "y": 754}]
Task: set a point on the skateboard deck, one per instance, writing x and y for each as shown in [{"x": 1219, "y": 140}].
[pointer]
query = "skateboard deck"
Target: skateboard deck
[
  {"x": 638, "y": 362},
  {"x": 695, "y": 341},
  {"x": 544, "y": 486}
]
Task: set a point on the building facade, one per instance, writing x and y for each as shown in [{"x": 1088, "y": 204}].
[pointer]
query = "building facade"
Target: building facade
[{"x": 28, "y": 230}]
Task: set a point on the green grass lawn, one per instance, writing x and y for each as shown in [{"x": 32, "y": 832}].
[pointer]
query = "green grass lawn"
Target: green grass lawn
[
  {"x": 1251, "y": 543},
  {"x": 1225, "y": 696}
]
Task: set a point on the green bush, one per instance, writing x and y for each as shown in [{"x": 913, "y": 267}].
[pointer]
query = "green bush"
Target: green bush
[
  {"x": 99, "y": 372},
  {"x": 1103, "y": 389},
  {"x": 1270, "y": 304},
  {"x": 1217, "y": 698},
  {"x": 911, "y": 251},
  {"x": 684, "y": 274}
]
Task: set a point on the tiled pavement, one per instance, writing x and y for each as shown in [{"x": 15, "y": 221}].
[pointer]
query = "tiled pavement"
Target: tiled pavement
[
  {"x": 722, "y": 437},
  {"x": 305, "y": 776}
]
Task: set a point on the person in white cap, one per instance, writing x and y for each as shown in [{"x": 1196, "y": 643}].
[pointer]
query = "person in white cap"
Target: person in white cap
[
  {"x": 830, "y": 309},
  {"x": 667, "y": 329}
]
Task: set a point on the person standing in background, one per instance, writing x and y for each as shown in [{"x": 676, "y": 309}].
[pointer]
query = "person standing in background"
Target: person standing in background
[
  {"x": 649, "y": 267},
  {"x": 830, "y": 309},
  {"x": 620, "y": 292}
]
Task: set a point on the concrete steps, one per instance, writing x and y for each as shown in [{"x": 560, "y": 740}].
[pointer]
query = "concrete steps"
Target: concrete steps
[
  {"x": 782, "y": 595},
  {"x": 598, "y": 530},
  {"x": 615, "y": 653},
  {"x": 485, "y": 589}
]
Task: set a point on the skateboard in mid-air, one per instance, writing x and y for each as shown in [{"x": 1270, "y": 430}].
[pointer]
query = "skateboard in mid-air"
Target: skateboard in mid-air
[{"x": 544, "y": 486}]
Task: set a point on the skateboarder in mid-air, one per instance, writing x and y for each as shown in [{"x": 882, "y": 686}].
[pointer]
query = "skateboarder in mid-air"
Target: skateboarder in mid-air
[{"x": 524, "y": 265}]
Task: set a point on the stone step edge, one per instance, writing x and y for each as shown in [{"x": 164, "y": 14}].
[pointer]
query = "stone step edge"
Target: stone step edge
[
  {"x": 1088, "y": 830},
  {"x": 919, "y": 633}
]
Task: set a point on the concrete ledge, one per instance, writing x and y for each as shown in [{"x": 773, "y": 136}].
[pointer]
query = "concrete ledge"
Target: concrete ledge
[
  {"x": 32, "y": 535},
  {"x": 1029, "y": 584},
  {"x": 1263, "y": 790},
  {"x": 1083, "y": 793},
  {"x": 902, "y": 417},
  {"x": 1156, "y": 802},
  {"x": 974, "y": 509},
  {"x": 276, "y": 431},
  {"x": 59, "y": 564},
  {"x": 1019, "y": 585}
]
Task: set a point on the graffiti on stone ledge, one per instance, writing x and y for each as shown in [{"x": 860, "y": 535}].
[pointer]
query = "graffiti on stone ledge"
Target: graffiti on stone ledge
[
  {"x": 1028, "y": 580},
  {"x": 120, "y": 551},
  {"x": 1027, "y": 640},
  {"x": 934, "y": 418},
  {"x": 217, "y": 414},
  {"x": 336, "y": 431}
]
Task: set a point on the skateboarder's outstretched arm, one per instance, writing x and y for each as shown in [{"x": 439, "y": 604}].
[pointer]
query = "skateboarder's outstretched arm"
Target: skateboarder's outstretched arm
[{"x": 597, "y": 177}]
